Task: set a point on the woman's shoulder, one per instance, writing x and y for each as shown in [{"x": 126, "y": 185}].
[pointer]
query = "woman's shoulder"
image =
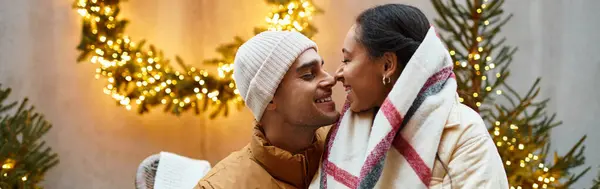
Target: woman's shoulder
[
  {"x": 467, "y": 121},
  {"x": 464, "y": 125}
]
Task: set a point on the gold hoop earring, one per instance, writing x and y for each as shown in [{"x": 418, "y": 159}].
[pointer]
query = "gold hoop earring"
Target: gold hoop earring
[{"x": 386, "y": 80}]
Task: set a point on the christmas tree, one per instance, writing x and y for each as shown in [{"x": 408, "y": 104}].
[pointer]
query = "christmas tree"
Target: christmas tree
[
  {"x": 521, "y": 126},
  {"x": 23, "y": 156}
]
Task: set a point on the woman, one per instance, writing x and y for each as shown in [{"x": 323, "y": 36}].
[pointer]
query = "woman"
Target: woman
[{"x": 403, "y": 126}]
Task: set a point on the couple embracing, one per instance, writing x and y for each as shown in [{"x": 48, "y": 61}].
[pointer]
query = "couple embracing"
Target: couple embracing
[{"x": 401, "y": 126}]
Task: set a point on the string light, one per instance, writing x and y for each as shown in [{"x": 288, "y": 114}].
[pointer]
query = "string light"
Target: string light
[
  {"x": 124, "y": 64},
  {"x": 292, "y": 17},
  {"x": 8, "y": 164}
]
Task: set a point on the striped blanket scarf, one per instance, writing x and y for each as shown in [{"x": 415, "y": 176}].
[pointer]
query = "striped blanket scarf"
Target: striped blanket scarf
[{"x": 396, "y": 146}]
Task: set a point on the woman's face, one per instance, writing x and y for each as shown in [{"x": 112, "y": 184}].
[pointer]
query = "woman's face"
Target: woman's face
[{"x": 361, "y": 75}]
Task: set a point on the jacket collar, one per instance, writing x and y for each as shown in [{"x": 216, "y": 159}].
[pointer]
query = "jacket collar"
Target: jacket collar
[
  {"x": 294, "y": 169},
  {"x": 454, "y": 116}
]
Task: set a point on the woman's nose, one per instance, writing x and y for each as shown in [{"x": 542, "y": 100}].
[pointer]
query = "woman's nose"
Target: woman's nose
[{"x": 339, "y": 74}]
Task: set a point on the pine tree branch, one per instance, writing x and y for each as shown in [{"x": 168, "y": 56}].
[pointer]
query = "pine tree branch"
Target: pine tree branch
[{"x": 596, "y": 184}]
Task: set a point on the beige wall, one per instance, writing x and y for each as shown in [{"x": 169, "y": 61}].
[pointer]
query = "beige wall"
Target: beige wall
[{"x": 100, "y": 144}]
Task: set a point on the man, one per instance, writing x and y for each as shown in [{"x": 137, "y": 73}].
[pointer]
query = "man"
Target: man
[{"x": 280, "y": 76}]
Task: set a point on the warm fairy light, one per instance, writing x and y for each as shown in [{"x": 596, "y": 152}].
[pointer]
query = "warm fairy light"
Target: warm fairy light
[
  {"x": 292, "y": 17},
  {"x": 141, "y": 73},
  {"x": 8, "y": 164}
]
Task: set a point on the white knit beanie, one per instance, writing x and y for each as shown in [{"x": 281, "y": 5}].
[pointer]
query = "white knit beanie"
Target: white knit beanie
[{"x": 261, "y": 63}]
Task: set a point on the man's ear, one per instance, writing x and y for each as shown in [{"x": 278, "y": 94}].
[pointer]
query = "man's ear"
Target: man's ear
[
  {"x": 271, "y": 105},
  {"x": 390, "y": 64}
]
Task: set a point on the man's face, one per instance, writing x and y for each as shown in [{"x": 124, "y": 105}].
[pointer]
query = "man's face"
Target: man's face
[{"x": 304, "y": 95}]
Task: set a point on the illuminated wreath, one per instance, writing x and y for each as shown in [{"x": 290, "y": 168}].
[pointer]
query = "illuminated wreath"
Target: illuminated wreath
[{"x": 140, "y": 75}]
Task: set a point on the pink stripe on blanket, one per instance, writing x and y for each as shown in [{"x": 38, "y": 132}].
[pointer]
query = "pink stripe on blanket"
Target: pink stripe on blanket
[
  {"x": 395, "y": 120},
  {"x": 441, "y": 75},
  {"x": 340, "y": 175},
  {"x": 413, "y": 158}
]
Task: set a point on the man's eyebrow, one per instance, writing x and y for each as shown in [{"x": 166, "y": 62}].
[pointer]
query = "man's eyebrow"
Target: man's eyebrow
[{"x": 308, "y": 64}]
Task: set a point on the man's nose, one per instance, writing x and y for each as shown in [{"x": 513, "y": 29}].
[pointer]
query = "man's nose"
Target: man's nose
[{"x": 328, "y": 81}]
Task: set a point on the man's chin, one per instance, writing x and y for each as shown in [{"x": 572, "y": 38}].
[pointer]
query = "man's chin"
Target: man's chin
[{"x": 332, "y": 117}]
